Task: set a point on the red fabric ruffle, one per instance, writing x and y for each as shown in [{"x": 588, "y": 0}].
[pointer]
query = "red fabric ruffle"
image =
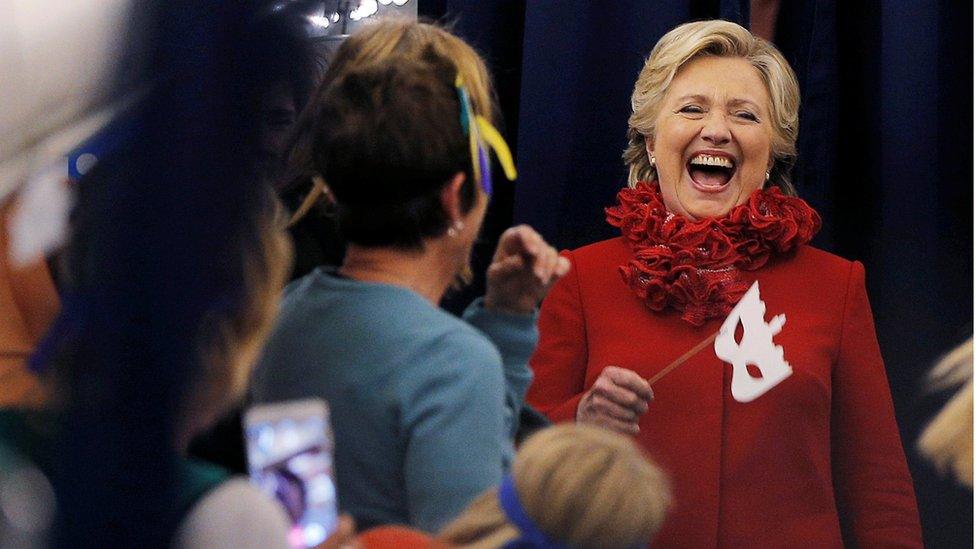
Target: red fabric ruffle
[{"x": 695, "y": 266}]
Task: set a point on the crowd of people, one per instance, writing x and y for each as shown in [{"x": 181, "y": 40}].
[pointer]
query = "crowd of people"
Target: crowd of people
[{"x": 369, "y": 192}]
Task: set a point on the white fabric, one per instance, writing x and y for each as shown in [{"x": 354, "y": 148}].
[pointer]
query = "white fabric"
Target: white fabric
[
  {"x": 235, "y": 515},
  {"x": 56, "y": 57},
  {"x": 39, "y": 224}
]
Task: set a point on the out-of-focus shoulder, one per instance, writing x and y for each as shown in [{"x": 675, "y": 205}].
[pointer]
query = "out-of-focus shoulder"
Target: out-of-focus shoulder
[
  {"x": 234, "y": 514},
  {"x": 825, "y": 262},
  {"x": 815, "y": 268},
  {"x": 812, "y": 254},
  {"x": 611, "y": 251},
  {"x": 608, "y": 246}
]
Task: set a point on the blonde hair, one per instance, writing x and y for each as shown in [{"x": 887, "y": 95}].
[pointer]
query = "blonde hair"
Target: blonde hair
[
  {"x": 582, "y": 485},
  {"x": 234, "y": 330},
  {"x": 384, "y": 38},
  {"x": 948, "y": 439},
  {"x": 376, "y": 42},
  {"x": 720, "y": 39}
]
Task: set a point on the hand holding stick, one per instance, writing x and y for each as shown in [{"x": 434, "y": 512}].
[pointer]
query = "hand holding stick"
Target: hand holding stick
[{"x": 619, "y": 397}]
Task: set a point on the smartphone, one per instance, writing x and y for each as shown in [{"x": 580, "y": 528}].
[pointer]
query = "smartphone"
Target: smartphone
[{"x": 289, "y": 454}]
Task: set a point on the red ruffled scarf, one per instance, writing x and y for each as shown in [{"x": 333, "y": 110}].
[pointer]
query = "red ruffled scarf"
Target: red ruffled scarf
[{"x": 696, "y": 266}]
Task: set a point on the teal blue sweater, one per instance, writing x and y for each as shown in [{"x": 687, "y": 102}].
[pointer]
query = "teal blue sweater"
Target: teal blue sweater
[{"x": 424, "y": 405}]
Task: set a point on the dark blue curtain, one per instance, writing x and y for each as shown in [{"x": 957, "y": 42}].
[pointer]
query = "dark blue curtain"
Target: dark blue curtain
[
  {"x": 579, "y": 68},
  {"x": 885, "y": 155}
]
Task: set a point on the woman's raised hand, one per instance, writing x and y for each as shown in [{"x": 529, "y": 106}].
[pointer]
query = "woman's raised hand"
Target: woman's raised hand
[
  {"x": 522, "y": 270},
  {"x": 616, "y": 401}
]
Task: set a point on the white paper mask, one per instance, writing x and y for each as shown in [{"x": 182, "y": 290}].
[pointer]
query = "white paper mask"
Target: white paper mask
[{"x": 756, "y": 347}]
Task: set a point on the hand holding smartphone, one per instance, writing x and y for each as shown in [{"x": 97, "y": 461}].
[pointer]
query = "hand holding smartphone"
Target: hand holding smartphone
[{"x": 289, "y": 453}]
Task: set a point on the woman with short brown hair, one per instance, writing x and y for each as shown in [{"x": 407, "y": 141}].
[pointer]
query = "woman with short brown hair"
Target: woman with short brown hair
[{"x": 424, "y": 405}]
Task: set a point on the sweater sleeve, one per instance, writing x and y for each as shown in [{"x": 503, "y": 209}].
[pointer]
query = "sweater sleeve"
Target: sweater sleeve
[
  {"x": 234, "y": 514},
  {"x": 515, "y": 336},
  {"x": 875, "y": 496},
  {"x": 559, "y": 362},
  {"x": 457, "y": 441}
]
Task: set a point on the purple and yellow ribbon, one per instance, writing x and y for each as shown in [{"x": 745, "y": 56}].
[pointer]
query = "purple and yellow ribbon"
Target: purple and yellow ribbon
[{"x": 480, "y": 132}]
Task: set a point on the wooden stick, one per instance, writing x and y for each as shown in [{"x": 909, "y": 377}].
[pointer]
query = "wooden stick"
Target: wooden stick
[
  {"x": 682, "y": 359},
  {"x": 318, "y": 190}
]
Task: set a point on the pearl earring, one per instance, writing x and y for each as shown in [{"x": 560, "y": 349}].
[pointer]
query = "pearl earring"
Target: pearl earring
[
  {"x": 454, "y": 230},
  {"x": 653, "y": 162},
  {"x": 767, "y": 175}
]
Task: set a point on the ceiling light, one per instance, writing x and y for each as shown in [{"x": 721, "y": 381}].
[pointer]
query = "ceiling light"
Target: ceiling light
[{"x": 319, "y": 20}]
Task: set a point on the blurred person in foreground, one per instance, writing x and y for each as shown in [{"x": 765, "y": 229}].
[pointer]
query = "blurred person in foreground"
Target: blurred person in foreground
[
  {"x": 55, "y": 94},
  {"x": 709, "y": 220},
  {"x": 153, "y": 339},
  {"x": 215, "y": 508},
  {"x": 79, "y": 75},
  {"x": 28, "y": 305},
  {"x": 948, "y": 439},
  {"x": 424, "y": 405},
  {"x": 280, "y": 70},
  {"x": 570, "y": 486}
]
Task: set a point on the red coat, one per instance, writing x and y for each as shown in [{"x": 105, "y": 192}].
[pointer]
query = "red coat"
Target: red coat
[{"x": 815, "y": 462}]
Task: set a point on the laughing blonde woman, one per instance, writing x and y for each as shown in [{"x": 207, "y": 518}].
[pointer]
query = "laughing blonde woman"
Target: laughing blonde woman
[{"x": 816, "y": 461}]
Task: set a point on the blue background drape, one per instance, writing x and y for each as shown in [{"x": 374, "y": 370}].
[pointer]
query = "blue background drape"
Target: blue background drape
[{"x": 885, "y": 156}]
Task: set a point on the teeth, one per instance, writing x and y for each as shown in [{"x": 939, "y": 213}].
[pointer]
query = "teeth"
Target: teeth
[{"x": 708, "y": 160}]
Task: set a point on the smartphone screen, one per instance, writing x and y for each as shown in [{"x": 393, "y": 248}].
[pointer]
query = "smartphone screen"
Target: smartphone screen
[{"x": 289, "y": 453}]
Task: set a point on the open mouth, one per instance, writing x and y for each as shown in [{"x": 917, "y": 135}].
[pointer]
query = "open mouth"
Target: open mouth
[{"x": 711, "y": 173}]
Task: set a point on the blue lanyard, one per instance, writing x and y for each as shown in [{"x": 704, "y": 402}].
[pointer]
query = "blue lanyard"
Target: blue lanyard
[{"x": 532, "y": 536}]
